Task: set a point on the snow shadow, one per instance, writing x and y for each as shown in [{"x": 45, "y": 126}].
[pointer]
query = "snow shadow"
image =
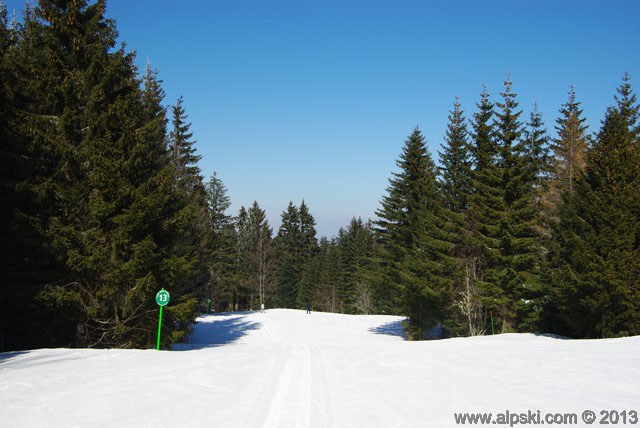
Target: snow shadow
[
  {"x": 216, "y": 330},
  {"x": 394, "y": 328},
  {"x": 6, "y": 356}
]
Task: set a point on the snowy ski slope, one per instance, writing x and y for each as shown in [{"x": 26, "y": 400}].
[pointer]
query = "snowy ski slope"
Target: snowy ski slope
[{"x": 284, "y": 368}]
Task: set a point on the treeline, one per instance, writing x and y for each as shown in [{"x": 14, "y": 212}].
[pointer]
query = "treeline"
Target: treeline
[
  {"x": 103, "y": 204},
  {"x": 541, "y": 232}
]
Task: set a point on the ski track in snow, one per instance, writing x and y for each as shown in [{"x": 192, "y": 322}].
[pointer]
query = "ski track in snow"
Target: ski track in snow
[{"x": 287, "y": 369}]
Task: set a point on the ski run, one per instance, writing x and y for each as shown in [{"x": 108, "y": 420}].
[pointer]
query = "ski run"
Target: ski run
[{"x": 285, "y": 368}]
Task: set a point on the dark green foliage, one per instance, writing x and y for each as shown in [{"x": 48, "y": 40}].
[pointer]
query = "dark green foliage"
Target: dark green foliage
[
  {"x": 256, "y": 261},
  {"x": 357, "y": 248},
  {"x": 567, "y": 167},
  {"x": 296, "y": 244},
  {"x": 479, "y": 250},
  {"x": 101, "y": 226},
  {"x": 519, "y": 260},
  {"x": 411, "y": 229},
  {"x": 220, "y": 246},
  {"x": 536, "y": 150},
  {"x": 323, "y": 275},
  {"x": 182, "y": 150},
  {"x": 600, "y": 274},
  {"x": 455, "y": 161}
]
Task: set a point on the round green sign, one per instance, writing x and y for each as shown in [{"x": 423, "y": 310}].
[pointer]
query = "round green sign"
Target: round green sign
[{"x": 162, "y": 298}]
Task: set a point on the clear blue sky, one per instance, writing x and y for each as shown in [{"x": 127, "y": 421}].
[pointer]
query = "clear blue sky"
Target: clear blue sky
[{"x": 314, "y": 99}]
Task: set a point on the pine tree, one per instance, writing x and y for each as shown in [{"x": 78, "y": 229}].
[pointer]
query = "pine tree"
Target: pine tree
[
  {"x": 296, "y": 245},
  {"x": 455, "y": 160},
  {"x": 244, "y": 246},
  {"x": 220, "y": 245},
  {"x": 256, "y": 258},
  {"x": 479, "y": 252},
  {"x": 568, "y": 163},
  {"x": 518, "y": 272},
  {"x": 309, "y": 243},
  {"x": 536, "y": 151},
  {"x": 102, "y": 201},
  {"x": 457, "y": 177},
  {"x": 322, "y": 278},
  {"x": 536, "y": 155},
  {"x": 356, "y": 246},
  {"x": 289, "y": 244},
  {"x": 601, "y": 272},
  {"x": 183, "y": 152},
  {"x": 409, "y": 228},
  {"x": 569, "y": 148},
  {"x": 308, "y": 249}
]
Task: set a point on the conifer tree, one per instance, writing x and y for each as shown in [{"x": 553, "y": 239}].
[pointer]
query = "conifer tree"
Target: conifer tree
[
  {"x": 410, "y": 228},
  {"x": 256, "y": 258},
  {"x": 220, "y": 244},
  {"x": 296, "y": 245},
  {"x": 309, "y": 241},
  {"x": 308, "y": 249},
  {"x": 289, "y": 244},
  {"x": 479, "y": 252},
  {"x": 568, "y": 163},
  {"x": 356, "y": 245},
  {"x": 520, "y": 253},
  {"x": 102, "y": 199},
  {"x": 569, "y": 148},
  {"x": 599, "y": 227},
  {"x": 455, "y": 161},
  {"x": 536, "y": 151},
  {"x": 322, "y": 278},
  {"x": 183, "y": 152}
]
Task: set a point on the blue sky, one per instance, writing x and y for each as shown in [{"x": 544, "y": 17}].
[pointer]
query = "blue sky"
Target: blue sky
[{"x": 314, "y": 99}]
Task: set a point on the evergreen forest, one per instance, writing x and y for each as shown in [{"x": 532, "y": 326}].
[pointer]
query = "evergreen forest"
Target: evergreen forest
[{"x": 514, "y": 228}]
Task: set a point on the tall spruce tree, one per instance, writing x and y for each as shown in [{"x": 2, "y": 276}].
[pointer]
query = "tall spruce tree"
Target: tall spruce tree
[
  {"x": 183, "y": 153},
  {"x": 101, "y": 201},
  {"x": 220, "y": 245},
  {"x": 308, "y": 249},
  {"x": 480, "y": 249},
  {"x": 536, "y": 151},
  {"x": 520, "y": 252},
  {"x": 296, "y": 245},
  {"x": 288, "y": 244},
  {"x": 356, "y": 245},
  {"x": 456, "y": 177},
  {"x": 598, "y": 230},
  {"x": 455, "y": 161},
  {"x": 256, "y": 259},
  {"x": 322, "y": 278},
  {"x": 568, "y": 162},
  {"x": 408, "y": 228},
  {"x": 569, "y": 149}
]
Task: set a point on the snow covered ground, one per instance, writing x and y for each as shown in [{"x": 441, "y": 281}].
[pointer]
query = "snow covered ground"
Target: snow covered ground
[{"x": 285, "y": 368}]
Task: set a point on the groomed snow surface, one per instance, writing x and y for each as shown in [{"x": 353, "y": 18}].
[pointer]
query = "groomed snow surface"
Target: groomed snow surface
[{"x": 285, "y": 368}]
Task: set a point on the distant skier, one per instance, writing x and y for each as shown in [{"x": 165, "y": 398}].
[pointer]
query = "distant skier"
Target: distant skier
[
  {"x": 262, "y": 307},
  {"x": 308, "y": 308}
]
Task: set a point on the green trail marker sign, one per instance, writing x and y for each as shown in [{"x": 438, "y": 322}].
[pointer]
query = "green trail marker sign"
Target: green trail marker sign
[{"x": 162, "y": 299}]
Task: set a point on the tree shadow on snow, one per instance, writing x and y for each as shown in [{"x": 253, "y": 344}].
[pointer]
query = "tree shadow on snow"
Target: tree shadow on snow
[
  {"x": 6, "y": 356},
  {"x": 394, "y": 328},
  {"x": 218, "y": 330}
]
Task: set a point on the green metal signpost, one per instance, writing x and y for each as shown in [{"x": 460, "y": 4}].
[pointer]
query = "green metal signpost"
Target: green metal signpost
[{"x": 162, "y": 299}]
